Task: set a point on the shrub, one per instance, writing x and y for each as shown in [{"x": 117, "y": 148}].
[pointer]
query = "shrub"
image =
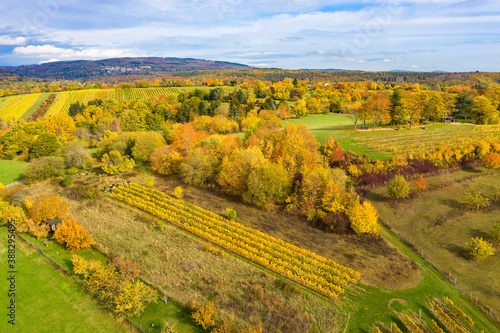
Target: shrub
[
  {"x": 46, "y": 144},
  {"x": 44, "y": 168},
  {"x": 67, "y": 181},
  {"x": 230, "y": 213},
  {"x": 150, "y": 181},
  {"x": 116, "y": 163},
  {"x": 476, "y": 200},
  {"x": 204, "y": 315},
  {"x": 364, "y": 218},
  {"x": 480, "y": 248},
  {"x": 398, "y": 187},
  {"x": 178, "y": 192}
]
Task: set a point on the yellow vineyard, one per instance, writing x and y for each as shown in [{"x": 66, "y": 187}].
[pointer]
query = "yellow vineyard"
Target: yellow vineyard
[{"x": 14, "y": 107}]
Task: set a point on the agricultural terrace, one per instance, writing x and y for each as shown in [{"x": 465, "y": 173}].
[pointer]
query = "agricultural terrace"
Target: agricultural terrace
[
  {"x": 302, "y": 266},
  {"x": 14, "y": 107},
  {"x": 65, "y": 99}
]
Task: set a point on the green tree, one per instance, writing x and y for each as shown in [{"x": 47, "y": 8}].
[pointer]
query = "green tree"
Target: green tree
[
  {"x": 46, "y": 144},
  {"x": 267, "y": 185},
  {"x": 44, "y": 168},
  {"x": 145, "y": 144},
  {"x": 464, "y": 105},
  {"x": 396, "y": 105},
  {"x": 398, "y": 187}
]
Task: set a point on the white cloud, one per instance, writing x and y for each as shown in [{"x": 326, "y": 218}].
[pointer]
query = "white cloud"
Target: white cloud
[
  {"x": 388, "y": 60},
  {"x": 414, "y": 66},
  {"x": 7, "y": 40},
  {"x": 58, "y": 53},
  {"x": 361, "y": 62}
]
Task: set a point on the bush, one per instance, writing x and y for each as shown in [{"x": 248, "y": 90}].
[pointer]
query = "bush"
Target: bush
[
  {"x": 178, "y": 192},
  {"x": 150, "y": 182},
  {"x": 67, "y": 181},
  {"x": 44, "y": 168},
  {"x": 480, "y": 248},
  {"x": 15, "y": 195},
  {"x": 398, "y": 187},
  {"x": 73, "y": 235},
  {"x": 76, "y": 155},
  {"x": 230, "y": 213}
]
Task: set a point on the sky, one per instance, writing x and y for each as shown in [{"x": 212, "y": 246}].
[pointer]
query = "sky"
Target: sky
[{"x": 372, "y": 35}]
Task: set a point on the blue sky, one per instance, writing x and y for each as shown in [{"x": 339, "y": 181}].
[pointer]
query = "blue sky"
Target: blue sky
[{"x": 419, "y": 35}]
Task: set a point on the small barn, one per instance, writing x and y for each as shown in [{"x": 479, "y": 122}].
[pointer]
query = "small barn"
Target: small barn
[
  {"x": 448, "y": 119},
  {"x": 53, "y": 224}
]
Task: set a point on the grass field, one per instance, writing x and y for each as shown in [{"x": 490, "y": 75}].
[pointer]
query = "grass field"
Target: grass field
[
  {"x": 416, "y": 218},
  {"x": 155, "y": 313},
  {"x": 341, "y": 128},
  {"x": 47, "y": 300},
  {"x": 11, "y": 171}
]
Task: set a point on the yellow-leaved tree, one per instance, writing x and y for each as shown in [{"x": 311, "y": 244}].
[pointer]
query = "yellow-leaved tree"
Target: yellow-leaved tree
[
  {"x": 116, "y": 163},
  {"x": 363, "y": 218},
  {"x": 204, "y": 316}
]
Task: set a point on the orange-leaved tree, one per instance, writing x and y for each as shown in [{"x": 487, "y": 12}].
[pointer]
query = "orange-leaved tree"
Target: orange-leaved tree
[
  {"x": 73, "y": 235},
  {"x": 48, "y": 206},
  {"x": 491, "y": 161}
]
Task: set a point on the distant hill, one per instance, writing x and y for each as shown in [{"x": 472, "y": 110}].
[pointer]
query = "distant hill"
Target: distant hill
[{"x": 88, "y": 69}]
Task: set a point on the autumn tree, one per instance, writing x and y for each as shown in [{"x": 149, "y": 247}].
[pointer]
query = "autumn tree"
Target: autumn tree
[
  {"x": 379, "y": 107},
  {"x": 47, "y": 206},
  {"x": 199, "y": 168},
  {"x": 484, "y": 111},
  {"x": 115, "y": 163},
  {"x": 185, "y": 137},
  {"x": 61, "y": 125},
  {"x": 165, "y": 160},
  {"x": 145, "y": 144},
  {"x": 480, "y": 248},
  {"x": 398, "y": 188},
  {"x": 10, "y": 213},
  {"x": 476, "y": 200},
  {"x": 363, "y": 218},
  {"x": 178, "y": 192},
  {"x": 44, "y": 168},
  {"x": 420, "y": 184},
  {"x": 434, "y": 107},
  {"x": 204, "y": 316},
  {"x": 491, "y": 161},
  {"x": 333, "y": 151},
  {"x": 300, "y": 109},
  {"x": 236, "y": 169},
  {"x": 73, "y": 235},
  {"x": 126, "y": 296},
  {"x": 414, "y": 106},
  {"x": 267, "y": 185},
  {"x": 34, "y": 229},
  {"x": 356, "y": 112}
]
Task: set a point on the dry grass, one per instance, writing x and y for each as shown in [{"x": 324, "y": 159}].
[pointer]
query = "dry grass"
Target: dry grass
[
  {"x": 380, "y": 263},
  {"x": 419, "y": 220},
  {"x": 177, "y": 264}
]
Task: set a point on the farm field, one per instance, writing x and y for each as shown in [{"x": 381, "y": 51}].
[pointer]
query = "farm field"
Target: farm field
[
  {"x": 11, "y": 171},
  {"x": 38, "y": 102},
  {"x": 48, "y": 299},
  {"x": 416, "y": 219},
  {"x": 16, "y": 106},
  {"x": 65, "y": 99},
  {"x": 383, "y": 143}
]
